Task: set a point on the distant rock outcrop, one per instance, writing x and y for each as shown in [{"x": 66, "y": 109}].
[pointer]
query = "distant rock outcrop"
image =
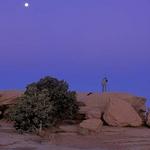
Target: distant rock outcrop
[{"x": 8, "y": 98}]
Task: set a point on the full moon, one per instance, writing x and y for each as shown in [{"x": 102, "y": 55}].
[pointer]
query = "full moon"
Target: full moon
[{"x": 26, "y": 4}]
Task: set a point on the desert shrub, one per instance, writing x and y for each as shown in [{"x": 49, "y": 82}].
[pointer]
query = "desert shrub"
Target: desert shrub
[{"x": 44, "y": 104}]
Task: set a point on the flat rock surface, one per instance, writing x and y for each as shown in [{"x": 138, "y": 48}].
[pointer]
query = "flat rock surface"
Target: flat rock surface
[
  {"x": 110, "y": 138},
  {"x": 100, "y": 100}
]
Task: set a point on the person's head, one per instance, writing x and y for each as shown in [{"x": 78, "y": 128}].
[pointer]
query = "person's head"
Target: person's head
[{"x": 105, "y": 79}]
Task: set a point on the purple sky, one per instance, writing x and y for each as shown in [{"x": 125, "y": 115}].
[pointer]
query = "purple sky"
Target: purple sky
[{"x": 77, "y": 40}]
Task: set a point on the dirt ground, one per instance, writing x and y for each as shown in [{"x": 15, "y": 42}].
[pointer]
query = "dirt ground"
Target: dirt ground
[{"x": 110, "y": 138}]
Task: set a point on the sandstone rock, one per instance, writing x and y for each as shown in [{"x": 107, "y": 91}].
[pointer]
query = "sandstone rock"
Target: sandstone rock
[
  {"x": 84, "y": 110},
  {"x": 41, "y": 133},
  {"x": 90, "y": 113},
  {"x": 9, "y": 97},
  {"x": 94, "y": 114},
  {"x": 100, "y": 101},
  {"x": 120, "y": 113},
  {"x": 148, "y": 119},
  {"x": 90, "y": 125},
  {"x": 68, "y": 128},
  {"x": 80, "y": 104}
]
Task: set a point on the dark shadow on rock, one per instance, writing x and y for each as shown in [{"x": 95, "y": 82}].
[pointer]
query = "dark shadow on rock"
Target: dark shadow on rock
[{"x": 90, "y": 93}]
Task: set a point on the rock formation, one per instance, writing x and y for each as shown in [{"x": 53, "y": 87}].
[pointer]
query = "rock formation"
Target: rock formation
[
  {"x": 98, "y": 102},
  {"x": 148, "y": 118},
  {"x": 115, "y": 109},
  {"x": 90, "y": 125},
  {"x": 121, "y": 113},
  {"x": 7, "y": 98}
]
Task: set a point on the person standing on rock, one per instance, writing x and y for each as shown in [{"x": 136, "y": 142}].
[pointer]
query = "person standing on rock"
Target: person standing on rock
[{"x": 104, "y": 84}]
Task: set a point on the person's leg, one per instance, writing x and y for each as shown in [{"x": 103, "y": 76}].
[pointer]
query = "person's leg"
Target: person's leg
[{"x": 103, "y": 89}]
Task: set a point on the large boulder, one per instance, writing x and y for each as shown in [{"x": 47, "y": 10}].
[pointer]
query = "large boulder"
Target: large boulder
[
  {"x": 148, "y": 118},
  {"x": 90, "y": 126},
  {"x": 99, "y": 101},
  {"x": 121, "y": 113}
]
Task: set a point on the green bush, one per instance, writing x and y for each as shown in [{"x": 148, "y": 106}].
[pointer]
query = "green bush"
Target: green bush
[{"x": 43, "y": 105}]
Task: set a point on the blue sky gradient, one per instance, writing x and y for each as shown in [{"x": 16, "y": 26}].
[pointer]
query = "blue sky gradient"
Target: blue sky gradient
[{"x": 77, "y": 40}]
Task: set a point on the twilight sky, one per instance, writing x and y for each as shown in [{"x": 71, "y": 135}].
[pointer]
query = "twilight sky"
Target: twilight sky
[{"x": 77, "y": 40}]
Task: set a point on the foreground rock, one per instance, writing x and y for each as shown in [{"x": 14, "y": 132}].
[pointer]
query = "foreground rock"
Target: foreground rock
[
  {"x": 120, "y": 113},
  {"x": 110, "y": 138},
  {"x": 90, "y": 126}
]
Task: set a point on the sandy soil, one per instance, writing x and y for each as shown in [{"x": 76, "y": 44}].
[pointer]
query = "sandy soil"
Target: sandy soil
[{"x": 109, "y": 139}]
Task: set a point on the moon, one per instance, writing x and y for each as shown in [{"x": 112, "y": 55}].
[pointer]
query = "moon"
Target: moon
[{"x": 26, "y": 5}]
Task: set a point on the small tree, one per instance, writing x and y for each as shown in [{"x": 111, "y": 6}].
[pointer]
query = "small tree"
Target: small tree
[{"x": 44, "y": 104}]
